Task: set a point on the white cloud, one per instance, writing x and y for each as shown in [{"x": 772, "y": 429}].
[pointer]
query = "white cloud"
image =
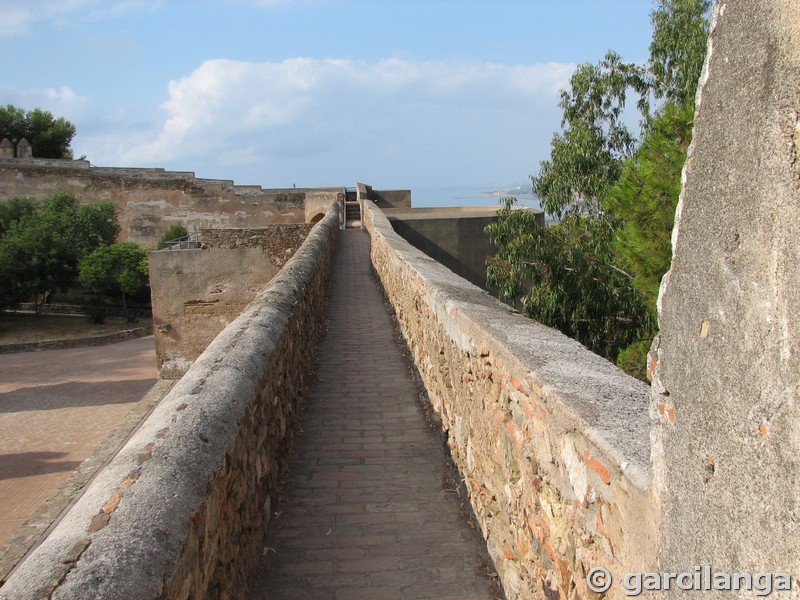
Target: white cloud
[
  {"x": 15, "y": 19},
  {"x": 61, "y": 102},
  {"x": 345, "y": 111}
]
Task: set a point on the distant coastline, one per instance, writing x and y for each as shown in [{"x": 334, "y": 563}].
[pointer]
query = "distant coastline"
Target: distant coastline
[{"x": 472, "y": 196}]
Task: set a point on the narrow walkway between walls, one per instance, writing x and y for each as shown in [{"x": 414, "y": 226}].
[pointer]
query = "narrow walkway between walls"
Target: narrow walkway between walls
[{"x": 370, "y": 509}]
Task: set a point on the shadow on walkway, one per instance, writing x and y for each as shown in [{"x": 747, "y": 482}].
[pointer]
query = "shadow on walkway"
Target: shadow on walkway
[
  {"x": 27, "y": 464},
  {"x": 74, "y": 394}
]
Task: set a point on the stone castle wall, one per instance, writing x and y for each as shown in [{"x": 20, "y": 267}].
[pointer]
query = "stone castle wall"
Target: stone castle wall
[
  {"x": 182, "y": 510},
  {"x": 551, "y": 440},
  {"x": 196, "y": 293},
  {"x": 149, "y": 201}
]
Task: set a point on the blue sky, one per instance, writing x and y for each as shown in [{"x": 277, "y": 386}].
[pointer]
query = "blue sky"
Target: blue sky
[{"x": 396, "y": 93}]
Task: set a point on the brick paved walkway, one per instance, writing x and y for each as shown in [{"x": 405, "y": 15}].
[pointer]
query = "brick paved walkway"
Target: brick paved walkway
[
  {"x": 57, "y": 408},
  {"x": 370, "y": 509}
]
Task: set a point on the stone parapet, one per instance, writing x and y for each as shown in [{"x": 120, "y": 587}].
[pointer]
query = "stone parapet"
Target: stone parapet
[
  {"x": 182, "y": 510},
  {"x": 552, "y": 441}
]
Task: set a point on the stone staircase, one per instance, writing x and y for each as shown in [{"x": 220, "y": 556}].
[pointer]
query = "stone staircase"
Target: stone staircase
[{"x": 352, "y": 210}]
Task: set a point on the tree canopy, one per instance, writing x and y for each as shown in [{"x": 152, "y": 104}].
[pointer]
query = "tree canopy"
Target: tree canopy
[
  {"x": 118, "y": 269},
  {"x": 174, "y": 232},
  {"x": 562, "y": 276},
  {"x": 678, "y": 48},
  {"x": 50, "y": 137},
  {"x": 645, "y": 198},
  {"x": 595, "y": 274},
  {"x": 41, "y": 246}
]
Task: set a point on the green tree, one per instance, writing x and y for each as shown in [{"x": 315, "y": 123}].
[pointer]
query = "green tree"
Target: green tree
[
  {"x": 646, "y": 195},
  {"x": 40, "y": 252},
  {"x": 678, "y": 48},
  {"x": 14, "y": 210},
  {"x": 116, "y": 270},
  {"x": 50, "y": 137},
  {"x": 645, "y": 198},
  {"x": 585, "y": 158},
  {"x": 175, "y": 232},
  {"x": 12, "y": 123},
  {"x": 563, "y": 277},
  {"x": 593, "y": 274}
]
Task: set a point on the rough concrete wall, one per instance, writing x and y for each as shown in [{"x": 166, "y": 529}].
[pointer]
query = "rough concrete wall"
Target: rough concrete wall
[
  {"x": 197, "y": 293},
  {"x": 391, "y": 198},
  {"x": 182, "y": 510},
  {"x": 551, "y": 440},
  {"x": 726, "y": 443},
  {"x": 149, "y": 201},
  {"x": 459, "y": 242}
]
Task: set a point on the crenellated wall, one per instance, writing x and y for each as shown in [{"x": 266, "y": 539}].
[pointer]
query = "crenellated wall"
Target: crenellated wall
[
  {"x": 149, "y": 201},
  {"x": 181, "y": 511},
  {"x": 551, "y": 440}
]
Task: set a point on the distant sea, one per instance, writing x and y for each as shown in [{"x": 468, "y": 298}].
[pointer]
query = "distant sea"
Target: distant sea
[{"x": 472, "y": 196}]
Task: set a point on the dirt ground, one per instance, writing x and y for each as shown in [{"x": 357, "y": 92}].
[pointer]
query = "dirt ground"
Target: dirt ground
[{"x": 16, "y": 328}]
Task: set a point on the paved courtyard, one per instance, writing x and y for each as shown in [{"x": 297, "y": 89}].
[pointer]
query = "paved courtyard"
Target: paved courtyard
[{"x": 57, "y": 407}]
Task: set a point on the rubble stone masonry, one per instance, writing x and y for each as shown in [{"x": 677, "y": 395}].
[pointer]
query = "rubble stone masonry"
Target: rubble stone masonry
[{"x": 551, "y": 440}]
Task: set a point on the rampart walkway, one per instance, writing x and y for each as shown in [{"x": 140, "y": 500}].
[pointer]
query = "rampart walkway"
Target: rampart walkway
[{"x": 371, "y": 508}]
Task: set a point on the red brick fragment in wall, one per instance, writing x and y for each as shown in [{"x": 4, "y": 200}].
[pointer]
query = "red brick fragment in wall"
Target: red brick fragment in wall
[
  {"x": 130, "y": 479},
  {"x": 512, "y": 430},
  {"x": 652, "y": 363},
  {"x": 112, "y": 503},
  {"x": 99, "y": 521},
  {"x": 598, "y": 467}
]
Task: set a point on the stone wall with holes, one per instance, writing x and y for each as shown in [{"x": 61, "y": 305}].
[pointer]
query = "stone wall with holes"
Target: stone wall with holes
[
  {"x": 196, "y": 293},
  {"x": 551, "y": 440},
  {"x": 149, "y": 201},
  {"x": 182, "y": 510}
]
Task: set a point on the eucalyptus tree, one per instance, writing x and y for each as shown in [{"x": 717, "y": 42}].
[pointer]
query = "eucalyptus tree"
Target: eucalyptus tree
[{"x": 592, "y": 274}]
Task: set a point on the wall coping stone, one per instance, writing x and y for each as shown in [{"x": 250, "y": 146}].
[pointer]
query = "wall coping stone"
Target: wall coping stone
[{"x": 606, "y": 405}]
